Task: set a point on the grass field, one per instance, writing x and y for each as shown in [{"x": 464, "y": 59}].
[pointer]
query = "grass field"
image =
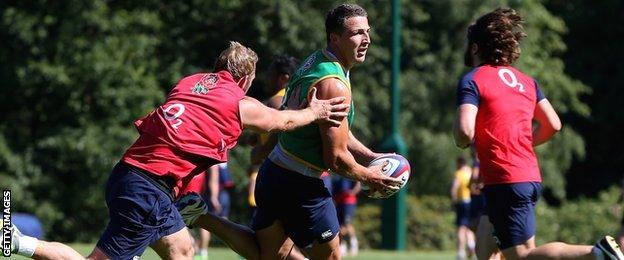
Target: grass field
[{"x": 227, "y": 254}]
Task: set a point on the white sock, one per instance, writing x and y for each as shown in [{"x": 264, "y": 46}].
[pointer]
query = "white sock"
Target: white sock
[
  {"x": 461, "y": 254},
  {"x": 27, "y": 246},
  {"x": 471, "y": 244},
  {"x": 353, "y": 244}
]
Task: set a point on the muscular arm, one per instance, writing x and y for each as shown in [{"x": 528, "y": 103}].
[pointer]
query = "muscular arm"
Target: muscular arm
[
  {"x": 362, "y": 154},
  {"x": 464, "y": 127},
  {"x": 548, "y": 122},
  {"x": 260, "y": 118},
  {"x": 335, "y": 140}
]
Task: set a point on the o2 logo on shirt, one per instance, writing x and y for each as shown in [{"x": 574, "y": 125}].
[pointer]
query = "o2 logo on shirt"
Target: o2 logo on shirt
[
  {"x": 509, "y": 78},
  {"x": 172, "y": 113}
]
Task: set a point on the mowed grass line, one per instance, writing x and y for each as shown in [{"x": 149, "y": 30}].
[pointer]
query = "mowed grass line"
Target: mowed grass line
[{"x": 219, "y": 253}]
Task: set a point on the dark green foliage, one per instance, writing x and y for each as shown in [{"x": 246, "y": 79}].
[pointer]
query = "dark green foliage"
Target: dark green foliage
[{"x": 75, "y": 74}]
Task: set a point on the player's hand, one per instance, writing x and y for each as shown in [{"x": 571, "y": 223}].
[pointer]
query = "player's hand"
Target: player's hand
[
  {"x": 331, "y": 111},
  {"x": 377, "y": 181}
]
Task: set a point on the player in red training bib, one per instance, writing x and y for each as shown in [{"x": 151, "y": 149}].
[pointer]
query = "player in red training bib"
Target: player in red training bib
[
  {"x": 201, "y": 119},
  {"x": 497, "y": 105}
]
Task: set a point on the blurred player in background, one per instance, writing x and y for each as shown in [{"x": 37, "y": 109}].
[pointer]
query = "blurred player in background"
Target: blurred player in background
[
  {"x": 217, "y": 197},
  {"x": 497, "y": 105},
  {"x": 460, "y": 195},
  {"x": 292, "y": 200},
  {"x": 345, "y": 196},
  {"x": 201, "y": 119},
  {"x": 281, "y": 69},
  {"x": 479, "y": 222}
]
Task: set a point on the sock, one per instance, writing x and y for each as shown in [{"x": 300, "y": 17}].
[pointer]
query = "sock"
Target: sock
[
  {"x": 343, "y": 248},
  {"x": 26, "y": 246},
  {"x": 598, "y": 254},
  {"x": 353, "y": 244},
  {"x": 461, "y": 254},
  {"x": 471, "y": 244}
]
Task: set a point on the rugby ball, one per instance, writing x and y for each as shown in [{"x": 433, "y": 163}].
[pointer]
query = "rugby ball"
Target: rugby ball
[{"x": 393, "y": 165}]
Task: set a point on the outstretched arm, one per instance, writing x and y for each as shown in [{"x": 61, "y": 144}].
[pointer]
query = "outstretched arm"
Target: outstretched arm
[
  {"x": 548, "y": 122},
  {"x": 260, "y": 118}
]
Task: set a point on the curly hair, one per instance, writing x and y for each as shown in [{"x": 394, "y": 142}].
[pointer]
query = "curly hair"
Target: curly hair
[{"x": 498, "y": 35}]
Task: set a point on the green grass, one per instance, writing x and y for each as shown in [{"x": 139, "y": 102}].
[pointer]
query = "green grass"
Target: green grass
[{"x": 227, "y": 254}]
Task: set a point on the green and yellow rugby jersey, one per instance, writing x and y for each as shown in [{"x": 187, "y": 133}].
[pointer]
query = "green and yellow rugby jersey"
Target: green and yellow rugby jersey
[{"x": 304, "y": 144}]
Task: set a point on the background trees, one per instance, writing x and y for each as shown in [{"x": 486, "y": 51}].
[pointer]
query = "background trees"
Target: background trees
[{"x": 75, "y": 74}]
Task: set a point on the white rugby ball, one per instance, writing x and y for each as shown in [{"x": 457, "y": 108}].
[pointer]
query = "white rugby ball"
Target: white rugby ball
[{"x": 393, "y": 165}]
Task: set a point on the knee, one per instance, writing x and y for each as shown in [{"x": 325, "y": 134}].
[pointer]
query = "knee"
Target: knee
[{"x": 187, "y": 251}]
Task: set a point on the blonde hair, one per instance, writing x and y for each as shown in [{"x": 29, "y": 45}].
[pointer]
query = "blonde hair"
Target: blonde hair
[{"x": 239, "y": 60}]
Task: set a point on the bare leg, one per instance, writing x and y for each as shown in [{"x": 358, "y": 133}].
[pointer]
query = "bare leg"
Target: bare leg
[
  {"x": 175, "y": 246},
  {"x": 55, "y": 250},
  {"x": 272, "y": 240},
  {"x": 485, "y": 245},
  {"x": 555, "y": 250},
  {"x": 238, "y": 237},
  {"x": 204, "y": 241},
  {"x": 461, "y": 242},
  {"x": 329, "y": 250}
]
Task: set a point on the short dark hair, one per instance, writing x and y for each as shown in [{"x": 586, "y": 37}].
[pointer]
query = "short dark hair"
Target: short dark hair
[
  {"x": 497, "y": 35},
  {"x": 284, "y": 64},
  {"x": 336, "y": 17}
]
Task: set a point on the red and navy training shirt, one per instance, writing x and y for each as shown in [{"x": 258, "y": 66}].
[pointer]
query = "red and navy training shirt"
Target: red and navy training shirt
[{"x": 506, "y": 99}]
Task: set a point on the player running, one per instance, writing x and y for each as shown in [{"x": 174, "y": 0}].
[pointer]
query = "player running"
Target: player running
[
  {"x": 292, "y": 200},
  {"x": 497, "y": 105},
  {"x": 201, "y": 119}
]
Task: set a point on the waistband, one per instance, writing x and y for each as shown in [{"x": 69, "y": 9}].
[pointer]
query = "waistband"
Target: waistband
[
  {"x": 163, "y": 183},
  {"x": 281, "y": 158}
]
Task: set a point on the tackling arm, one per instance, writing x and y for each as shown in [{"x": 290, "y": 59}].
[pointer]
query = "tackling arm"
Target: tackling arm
[{"x": 260, "y": 118}]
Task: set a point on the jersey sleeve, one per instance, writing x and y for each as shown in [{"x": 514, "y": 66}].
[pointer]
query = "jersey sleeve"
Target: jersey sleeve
[
  {"x": 467, "y": 91},
  {"x": 538, "y": 92}
]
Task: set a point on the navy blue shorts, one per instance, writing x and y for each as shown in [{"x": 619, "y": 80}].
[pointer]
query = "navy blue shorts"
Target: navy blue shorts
[
  {"x": 511, "y": 209},
  {"x": 462, "y": 214},
  {"x": 303, "y": 204},
  {"x": 140, "y": 214},
  {"x": 477, "y": 206},
  {"x": 345, "y": 213}
]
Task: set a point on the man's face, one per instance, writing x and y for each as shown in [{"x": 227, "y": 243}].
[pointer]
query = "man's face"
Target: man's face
[{"x": 354, "y": 40}]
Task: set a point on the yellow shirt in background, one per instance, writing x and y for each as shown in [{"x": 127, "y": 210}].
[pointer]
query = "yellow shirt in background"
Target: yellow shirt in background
[{"x": 462, "y": 176}]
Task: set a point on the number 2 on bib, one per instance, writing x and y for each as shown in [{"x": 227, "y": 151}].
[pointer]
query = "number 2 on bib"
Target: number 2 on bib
[
  {"x": 172, "y": 113},
  {"x": 509, "y": 78}
]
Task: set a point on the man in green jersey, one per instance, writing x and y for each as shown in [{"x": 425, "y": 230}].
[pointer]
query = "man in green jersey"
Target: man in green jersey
[{"x": 292, "y": 201}]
